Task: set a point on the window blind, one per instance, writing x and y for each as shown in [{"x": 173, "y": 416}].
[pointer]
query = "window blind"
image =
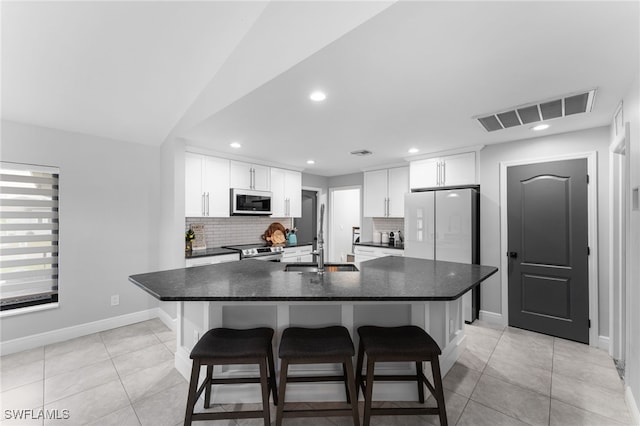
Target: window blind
[{"x": 28, "y": 235}]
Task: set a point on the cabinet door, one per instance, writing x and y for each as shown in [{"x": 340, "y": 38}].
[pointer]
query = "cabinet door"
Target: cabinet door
[
  {"x": 424, "y": 173},
  {"x": 459, "y": 169},
  {"x": 398, "y": 186},
  {"x": 278, "y": 199},
  {"x": 216, "y": 186},
  {"x": 375, "y": 193},
  {"x": 293, "y": 191},
  {"x": 193, "y": 193},
  {"x": 261, "y": 178},
  {"x": 240, "y": 175}
]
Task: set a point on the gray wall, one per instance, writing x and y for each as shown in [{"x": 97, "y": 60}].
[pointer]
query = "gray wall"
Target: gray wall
[
  {"x": 109, "y": 205},
  {"x": 568, "y": 143}
]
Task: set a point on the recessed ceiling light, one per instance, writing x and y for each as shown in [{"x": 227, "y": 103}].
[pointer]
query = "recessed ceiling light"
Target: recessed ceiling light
[
  {"x": 540, "y": 127},
  {"x": 413, "y": 150},
  {"x": 311, "y": 162},
  {"x": 235, "y": 145},
  {"x": 318, "y": 96}
]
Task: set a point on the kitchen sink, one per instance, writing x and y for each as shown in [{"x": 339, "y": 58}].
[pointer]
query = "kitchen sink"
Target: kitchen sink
[{"x": 328, "y": 267}]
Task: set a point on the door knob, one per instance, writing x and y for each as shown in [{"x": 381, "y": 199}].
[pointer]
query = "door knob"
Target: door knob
[{"x": 513, "y": 254}]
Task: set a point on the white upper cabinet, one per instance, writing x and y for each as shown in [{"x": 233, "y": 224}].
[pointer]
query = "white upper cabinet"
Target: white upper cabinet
[
  {"x": 384, "y": 192},
  {"x": 398, "y": 186},
  {"x": 286, "y": 186},
  {"x": 451, "y": 170},
  {"x": 206, "y": 186},
  {"x": 250, "y": 176}
]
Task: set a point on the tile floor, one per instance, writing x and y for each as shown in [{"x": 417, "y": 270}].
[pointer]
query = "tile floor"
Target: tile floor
[{"x": 125, "y": 376}]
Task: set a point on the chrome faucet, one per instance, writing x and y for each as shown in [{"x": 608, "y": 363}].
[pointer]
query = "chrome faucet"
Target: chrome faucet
[{"x": 320, "y": 251}]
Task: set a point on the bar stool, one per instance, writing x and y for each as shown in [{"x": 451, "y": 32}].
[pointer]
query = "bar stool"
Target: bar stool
[
  {"x": 224, "y": 346},
  {"x": 327, "y": 345},
  {"x": 398, "y": 344}
]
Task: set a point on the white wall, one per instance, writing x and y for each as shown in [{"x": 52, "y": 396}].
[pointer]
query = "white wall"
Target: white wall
[
  {"x": 632, "y": 373},
  {"x": 490, "y": 157},
  {"x": 109, "y": 210}
]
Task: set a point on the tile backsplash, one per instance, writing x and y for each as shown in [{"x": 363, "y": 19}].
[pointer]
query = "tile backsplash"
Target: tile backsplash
[
  {"x": 387, "y": 224},
  {"x": 223, "y": 231}
]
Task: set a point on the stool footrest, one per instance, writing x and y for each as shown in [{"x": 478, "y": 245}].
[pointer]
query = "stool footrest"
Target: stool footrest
[
  {"x": 395, "y": 378},
  {"x": 254, "y": 414},
  {"x": 327, "y": 412},
  {"x": 404, "y": 411},
  {"x": 302, "y": 379},
  {"x": 235, "y": 380}
]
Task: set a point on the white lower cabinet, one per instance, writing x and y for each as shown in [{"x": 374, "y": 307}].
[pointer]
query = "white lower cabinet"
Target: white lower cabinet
[
  {"x": 363, "y": 253},
  {"x": 211, "y": 260},
  {"x": 298, "y": 254}
]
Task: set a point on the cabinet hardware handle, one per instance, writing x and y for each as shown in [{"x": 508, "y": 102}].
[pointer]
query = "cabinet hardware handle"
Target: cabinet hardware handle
[
  {"x": 444, "y": 172},
  {"x": 202, "y": 204},
  {"x": 207, "y": 204},
  {"x": 438, "y": 174}
]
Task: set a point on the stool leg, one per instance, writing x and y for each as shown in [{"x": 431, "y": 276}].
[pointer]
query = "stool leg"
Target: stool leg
[
  {"x": 264, "y": 383},
  {"x": 207, "y": 389},
  {"x": 193, "y": 388},
  {"x": 351, "y": 390},
  {"x": 439, "y": 394},
  {"x": 359, "y": 370},
  {"x": 272, "y": 377},
  {"x": 368, "y": 395},
  {"x": 284, "y": 367},
  {"x": 346, "y": 381},
  {"x": 419, "y": 375}
]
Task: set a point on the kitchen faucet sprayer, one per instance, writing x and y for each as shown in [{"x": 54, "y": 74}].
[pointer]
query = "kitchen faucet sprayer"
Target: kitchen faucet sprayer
[{"x": 321, "y": 243}]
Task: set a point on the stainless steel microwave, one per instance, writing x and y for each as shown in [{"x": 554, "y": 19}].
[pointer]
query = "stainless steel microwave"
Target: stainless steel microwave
[{"x": 249, "y": 202}]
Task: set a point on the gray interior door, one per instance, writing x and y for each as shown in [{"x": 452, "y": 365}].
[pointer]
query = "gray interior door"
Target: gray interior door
[
  {"x": 307, "y": 224},
  {"x": 548, "y": 248}
]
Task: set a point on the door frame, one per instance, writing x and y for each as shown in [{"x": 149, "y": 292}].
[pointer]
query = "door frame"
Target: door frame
[
  {"x": 618, "y": 282},
  {"x": 592, "y": 202}
]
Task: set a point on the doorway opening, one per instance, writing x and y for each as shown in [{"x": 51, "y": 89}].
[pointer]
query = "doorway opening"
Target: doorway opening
[{"x": 344, "y": 215}]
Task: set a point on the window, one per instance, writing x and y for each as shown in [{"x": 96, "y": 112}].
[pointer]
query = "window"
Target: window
[{"x": 28, "y": 235}]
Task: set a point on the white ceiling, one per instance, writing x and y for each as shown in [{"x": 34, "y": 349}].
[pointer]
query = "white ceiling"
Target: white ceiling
[{"x": 409, "y": 74}]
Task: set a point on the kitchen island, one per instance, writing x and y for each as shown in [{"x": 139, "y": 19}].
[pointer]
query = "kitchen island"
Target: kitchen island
[{"x": 388, "y": 291}]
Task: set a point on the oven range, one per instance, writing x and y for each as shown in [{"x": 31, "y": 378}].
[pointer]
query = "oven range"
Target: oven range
[{"x": 258, "y": 252}]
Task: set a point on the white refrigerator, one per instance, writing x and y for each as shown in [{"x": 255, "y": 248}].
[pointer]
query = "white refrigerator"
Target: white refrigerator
[{"x": 444, "y": 224}]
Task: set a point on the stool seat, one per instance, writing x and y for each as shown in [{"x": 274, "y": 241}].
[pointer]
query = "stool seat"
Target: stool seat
[
  {"x": 227, "y": 346},
  {"x": 299, "y": 342},
  {"x": 326, "y": 345},
  {"x": 398, "y": 342},
  {"x": 393, "y": 344},
  {"x": 222, "y": 343}
]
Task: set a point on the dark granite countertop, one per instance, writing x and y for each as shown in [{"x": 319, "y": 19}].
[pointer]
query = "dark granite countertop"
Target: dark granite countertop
[
  {"x": 390, "y": 278},
  {"x": 212, "y": 251},
  {"x": 399, "y": 246}
]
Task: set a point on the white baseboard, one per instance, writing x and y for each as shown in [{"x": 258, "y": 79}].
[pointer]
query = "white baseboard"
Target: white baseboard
[
  {"x": 492, "y": 318},
  {"x": 632, "y": 405},
  {"x": 167, "y": 320},
  {"x": 603, "y": 343},
  {"x": 62, "y": 334}
]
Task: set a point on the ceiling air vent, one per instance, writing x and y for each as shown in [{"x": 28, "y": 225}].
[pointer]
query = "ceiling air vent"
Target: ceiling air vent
[
  {"x": 539, "y": 111},
  {"x": 361, "y": 152}
]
